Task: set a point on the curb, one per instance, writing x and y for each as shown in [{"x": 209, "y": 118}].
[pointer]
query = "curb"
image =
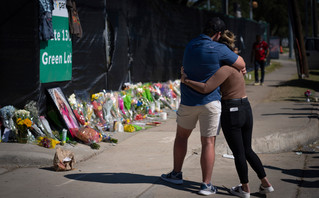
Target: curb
[
  {"x": 278, "y": 142},
  {"x": 285, "y": 141}
]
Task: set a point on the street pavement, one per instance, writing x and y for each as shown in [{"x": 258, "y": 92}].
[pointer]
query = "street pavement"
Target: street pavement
[{"x": 285, "y": 137}]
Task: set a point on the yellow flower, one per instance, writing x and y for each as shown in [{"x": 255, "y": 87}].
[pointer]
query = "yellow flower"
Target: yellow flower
[
  {"x": 99, "y": 108},
  {"x": 20, "y": 121},
  {"x": 28, "y": 122},
  {"x": 129, "y": 128}
]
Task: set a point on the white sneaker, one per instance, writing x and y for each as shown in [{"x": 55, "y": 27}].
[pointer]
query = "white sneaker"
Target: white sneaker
[
  {"x": 238, "y": 191},
  {"x": 265, "y": 190},
  {"x": 256, "y": 83},
  {"x": 207, "y": 189}
]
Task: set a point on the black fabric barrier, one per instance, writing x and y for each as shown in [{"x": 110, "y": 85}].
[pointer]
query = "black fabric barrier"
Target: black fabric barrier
[
  {"x": 19, "y": 52},
  {"x": 136, "y": 41}
]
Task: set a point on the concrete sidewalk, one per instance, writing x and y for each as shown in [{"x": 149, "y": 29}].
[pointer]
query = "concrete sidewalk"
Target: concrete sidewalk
[{"x": 132, "y": 167}]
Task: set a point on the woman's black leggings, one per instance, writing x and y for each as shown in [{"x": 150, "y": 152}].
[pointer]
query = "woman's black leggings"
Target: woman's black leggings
[{"x": 237, "y": 125}]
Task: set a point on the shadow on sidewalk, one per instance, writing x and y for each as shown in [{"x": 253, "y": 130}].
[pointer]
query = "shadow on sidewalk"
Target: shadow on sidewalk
[
  {"x": 295, "y": 115},
  {"x": 130, "y": 178},
  {"x": 303, "y": 183},
  {"x": 311, "y": 172},
  {"x": 303, "y": 83},
  {"x": 297, "y": 172}
]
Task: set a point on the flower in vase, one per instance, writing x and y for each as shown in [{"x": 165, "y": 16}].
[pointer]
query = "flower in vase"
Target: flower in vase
[{"x": 23, "y": 123}]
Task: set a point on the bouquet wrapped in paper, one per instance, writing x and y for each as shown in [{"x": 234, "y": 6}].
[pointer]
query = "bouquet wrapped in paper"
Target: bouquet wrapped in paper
[
  {"x": 88, "y": 135},
  {"x": 77, "y": 108},
  {"x": 46, "y": 127},
  {"x": 6, "y": 114},
  {"x": 47, "y": 142},
  {"x": 107, "y": 108},
  {"x": 37, "y": 126},
  {"x": 97, "y": 102},
  {"x": 121, "y": 106},
  {"x": 140, "y": 102}
]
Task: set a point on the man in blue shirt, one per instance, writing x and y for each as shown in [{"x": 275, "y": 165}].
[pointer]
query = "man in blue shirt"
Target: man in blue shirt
[{"x": 202, "y": 58}]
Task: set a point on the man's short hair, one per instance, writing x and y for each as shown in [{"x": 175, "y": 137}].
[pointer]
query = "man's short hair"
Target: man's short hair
[{"x": 213, "y": 26}]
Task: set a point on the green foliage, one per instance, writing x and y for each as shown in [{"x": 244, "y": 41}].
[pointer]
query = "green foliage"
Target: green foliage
[
  {"x": 148, "y": 95},
  {"x": 274, "y": 12},
  {"x": 95, "y": 146},
  {"x": 127, "y": 101}
]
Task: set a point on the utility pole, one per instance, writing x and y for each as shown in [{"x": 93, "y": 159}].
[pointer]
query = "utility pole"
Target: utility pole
[
  {"x": 225, "y": 7},
  {"x": 306, "y": 18},
  {"x": 300, "y": 50},
  {"x": 314, "y": 18},
  {"x": 291, "y": 38},
  {"x": 251, "y": 10}
]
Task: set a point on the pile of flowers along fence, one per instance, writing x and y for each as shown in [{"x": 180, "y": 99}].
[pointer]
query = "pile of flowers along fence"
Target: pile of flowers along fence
[{"x": 136, "y": 107}]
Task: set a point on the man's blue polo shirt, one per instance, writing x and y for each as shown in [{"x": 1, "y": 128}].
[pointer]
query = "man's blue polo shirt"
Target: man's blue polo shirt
[{"x": 202, "y": 58}]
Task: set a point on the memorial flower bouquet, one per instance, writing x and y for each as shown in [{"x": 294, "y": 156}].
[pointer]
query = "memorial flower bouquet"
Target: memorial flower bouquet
[
  {"x": 6, "y": 114},
  {"x": 141, "y": 105},
  {"x": 121, "y": 107},
  {"x": 23, "y": 123},
  {"x": 33, "y": 109},
  {"x": 308, "y": 94},
  {"x": 37, "y": 126},
  {"x": 77, "y": 107},
  {"x": 97, "y": 100},
  {"x": 107, "y": 107}
]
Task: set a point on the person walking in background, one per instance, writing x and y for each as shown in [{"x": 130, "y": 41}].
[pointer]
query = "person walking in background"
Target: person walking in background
[
  {"x": 202, "y": 59},
  {"x": 236, "y": 122},
  {"x": 259, "y": 57}
]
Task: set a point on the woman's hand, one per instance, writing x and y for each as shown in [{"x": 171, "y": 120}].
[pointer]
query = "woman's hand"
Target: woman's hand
[
  {"x": 183, "y": 75},
  {"x": 244, "y": 71}
]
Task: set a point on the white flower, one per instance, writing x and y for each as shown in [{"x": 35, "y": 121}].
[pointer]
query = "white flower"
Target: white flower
[
  {"x": 72, "y": 99},
  {"x": 21, "y": 113}
]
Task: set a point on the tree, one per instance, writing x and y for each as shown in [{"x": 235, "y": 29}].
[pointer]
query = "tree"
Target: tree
[{"x": 274, "y": 12}]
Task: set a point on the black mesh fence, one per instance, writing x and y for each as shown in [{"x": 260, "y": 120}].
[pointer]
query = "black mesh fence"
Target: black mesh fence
[{"x": 123, "y": 41}]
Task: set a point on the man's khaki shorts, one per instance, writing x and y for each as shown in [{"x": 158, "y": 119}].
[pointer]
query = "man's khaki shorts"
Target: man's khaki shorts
[{"x": 208, "y": 116}]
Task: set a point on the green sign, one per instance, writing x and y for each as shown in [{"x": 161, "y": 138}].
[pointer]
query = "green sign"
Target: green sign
[{"x": 56, "y": 54}]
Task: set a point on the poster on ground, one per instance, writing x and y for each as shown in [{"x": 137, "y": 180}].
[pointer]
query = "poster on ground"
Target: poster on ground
[
  {"x": 56, "y": 54},
  {"x": 65, "y": 109}
]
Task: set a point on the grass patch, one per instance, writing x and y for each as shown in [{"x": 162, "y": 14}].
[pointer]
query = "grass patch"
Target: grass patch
[
  {"x": 285, "y": 49},
  {"x": 250, "y": 76},
  {"x": 294, "y": 89}
]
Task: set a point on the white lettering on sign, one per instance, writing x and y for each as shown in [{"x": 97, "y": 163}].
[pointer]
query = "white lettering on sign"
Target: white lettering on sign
[
  {"x": 67, "y": 58},
  {"x": 63, "y": 35},
  {"x": 56, "y": 35},
  {"x": 56, "y": 59}
]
